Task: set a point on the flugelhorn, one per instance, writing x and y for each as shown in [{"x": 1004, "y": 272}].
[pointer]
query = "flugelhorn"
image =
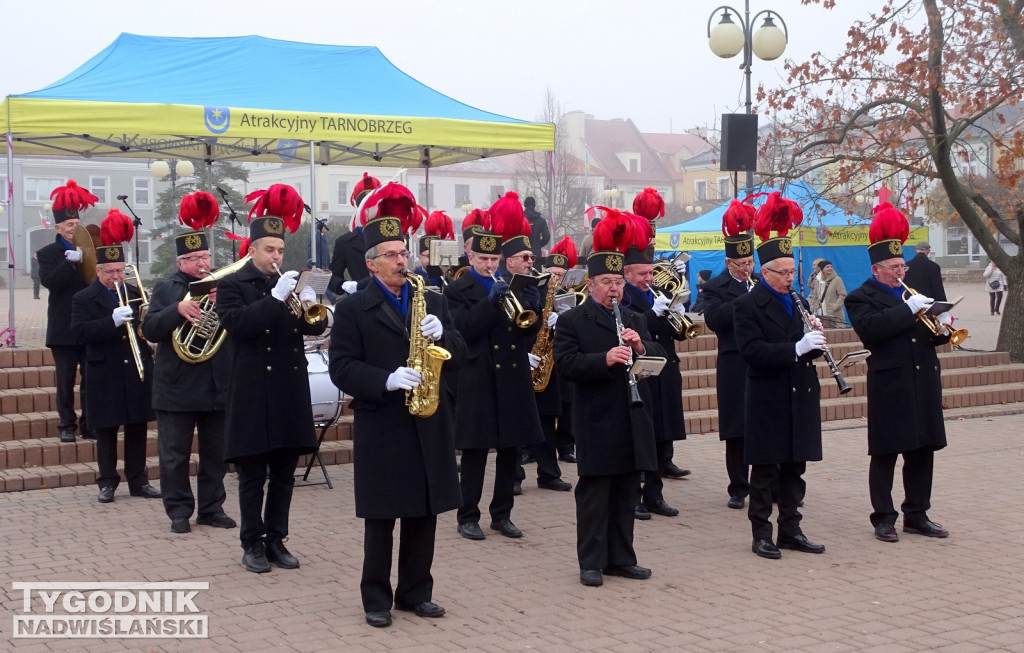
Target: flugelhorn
[
  {"x": 956, "y": 336},
  {"x": 523, "y": 318},
  {"x": 308, "y": 311}
]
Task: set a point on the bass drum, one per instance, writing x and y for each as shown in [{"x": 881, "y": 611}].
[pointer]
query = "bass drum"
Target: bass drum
[{"x": 326, "y": 399}]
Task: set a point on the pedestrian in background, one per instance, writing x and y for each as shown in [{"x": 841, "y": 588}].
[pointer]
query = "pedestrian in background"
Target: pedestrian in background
[{"x": 995, "y": 281}]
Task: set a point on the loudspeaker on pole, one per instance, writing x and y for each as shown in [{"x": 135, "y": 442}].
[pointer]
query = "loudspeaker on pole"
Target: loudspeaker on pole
[{"x": 739, "y": 141}]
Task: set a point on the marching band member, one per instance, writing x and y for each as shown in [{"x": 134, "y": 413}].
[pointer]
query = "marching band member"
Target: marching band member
[
  {"x": 404, "y": 464},
  {"x": 268, "y": 422},
  {"x": 349, "y": 249},
  {"x": 783, "y": 420},
  {"x": 730, "y": 368},
  {"x": 615, "y": 441},
  {"x": 438, "y": 226},
  {"x": 59, "y": 264},
  {"x": 189, "y": 396},
  {"x": 904, "y": 382},
  {"x": 475, "y": 221},
  {"x": 119, "y": 396},
  {"x": 495, "y": 407}
]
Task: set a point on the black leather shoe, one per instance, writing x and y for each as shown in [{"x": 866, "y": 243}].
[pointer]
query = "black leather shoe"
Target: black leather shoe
[
  {"x": 277, "y": 554},
  {"x": 517, "y": 488},
  {"x": 659, "y": 507},
  {"x": 146, "y": 490},
  {"x": 106, "y": 494},
  {"x": 427, "y": 609},
  {"x": 567, "y": 458},
  {"x": 927, "y": 528},
  {"x": 180, "y": 525},
  {"x": 471, "y": 531},
  {"x": 764, "y": 548},
  {"x": 736, "y": 503},
  {"x": 641, "y": 512},
  {"x": 800, "y": 543},
  {"x": 674, "y": 471},
  {"x": 379, "y": 618},
  {"x": 553, "y": 484},
  {"x": 67, "y": 435},
  {"x": 216, "y": 519},
  {"x": 886, "y": 533},
  {"x": 636, "y": 572},
  {"x": 506, "y": 528},
  {"x": 255, "y": 559},
  {"x": 591, "y": 577}
]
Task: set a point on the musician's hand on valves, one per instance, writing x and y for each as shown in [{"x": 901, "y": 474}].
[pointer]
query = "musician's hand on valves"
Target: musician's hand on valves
[
  {"x": 403, "y": 378},
  {"x": 917, "y": 303},
  {"x": 812, "y": 340},
  {"x": 349, "y": 287},
  {"x": 498, "y": 290},
  {"x": 534, "y": 361},
  {"x": 552, "y": 319},
  {"x": 679, "y": 267},
  {"x": 531, "y": 297},
  {"x": 285, "y": 285},
  {"x": 632, "y": 338},
  {"x": 121, "y": 315},
  {"x": 620, "y": 354},
  {"x": 946, "y": 318},
  {"x": 308, "y": 295},
  {"x": 213, "y": 296},
  {"x": 190, "y": 310},
  {"x": 73, "y": 255},
  {"x": 660, "y": 307},
  {"x": 817, "y": 323},
  {"x": 430, "y": 327}
]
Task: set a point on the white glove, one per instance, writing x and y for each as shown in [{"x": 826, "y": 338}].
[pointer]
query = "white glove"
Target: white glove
[
  {"x": 308, "y": 295},
  {"x": 660, "y": 305},
  {"x": 285, "y": 285},
  {"x": 73, "y": 255},
  {"x": 121, "y": 315},
  {"x": 349, "y": 287},
  {"x": 679, "y": 267},
  {"x": 945, "y": 318},
  {"x": 430, "y": 327},
  {"x": 404, "y": 378},
  {"x": 812, "y": 340},
  {"x": 916, "y": 303},
  {"x": 534, "y": 361},
  {"x": 817, "y": 323},
  {"x": 552, "y": 319}
]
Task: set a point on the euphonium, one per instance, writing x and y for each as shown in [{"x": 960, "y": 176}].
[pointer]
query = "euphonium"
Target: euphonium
[
  {"x": 195, "y": 342},
  {"x": 542, "y": 345},
  {"x": 308, "y": 311},
  {"x": 523, "y": 318},
  {"x": 670, "y": 285},
  {"x": 956, "y": 336},
  {"x": 424, "y": 356}
]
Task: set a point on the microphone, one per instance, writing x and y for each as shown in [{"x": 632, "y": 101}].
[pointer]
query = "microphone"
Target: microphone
[
  {"x": 122, "y": 197},
  {"x": 221, "y": 191}
]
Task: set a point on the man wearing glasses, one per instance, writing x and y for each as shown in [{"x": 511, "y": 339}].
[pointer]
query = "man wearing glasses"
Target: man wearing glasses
[
  {"x": 188, "y": 397},
  {"x": 904, "y": 384},
  {"x": 730, "y": 368},
  {"x": 782, "y": 419}
]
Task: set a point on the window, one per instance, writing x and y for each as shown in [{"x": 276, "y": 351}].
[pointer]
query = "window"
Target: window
[
  {"x": 461, "y": 194},
  {"x": 142, "y": 191},
  {"x": 343, "y": 197},
  {"x": 144, "y": 258},
  {"x": 497, "y": 192},
  {"x": 425, "y": 196},
  {"x": 38, "y": 189},
  {"x": 956, "y": 241},
  {"x": 634, "y": 165},
  {"x": 724, "y": 188},
  {"x": 3, "y": 246},
  {"x": 700, "y": 190},
  {"x": 100, "y": 187}
]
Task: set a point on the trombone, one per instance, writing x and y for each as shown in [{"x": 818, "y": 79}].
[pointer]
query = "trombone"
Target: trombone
[
  {"x": 121, "y": 290},
  {"x": 308, "y": 311},
  {"x": 956, "y": 336},
  {"x": 523, "y": 318}
]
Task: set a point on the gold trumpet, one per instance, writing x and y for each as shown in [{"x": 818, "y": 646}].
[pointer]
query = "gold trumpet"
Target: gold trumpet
[
  {"x": 523, "y": 318},
  {"x": 308, "y": 311},
  {"x": 956, "y": 336}
]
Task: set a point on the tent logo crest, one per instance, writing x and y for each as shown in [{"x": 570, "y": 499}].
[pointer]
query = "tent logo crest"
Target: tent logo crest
[{"x": 217, "y": 119}]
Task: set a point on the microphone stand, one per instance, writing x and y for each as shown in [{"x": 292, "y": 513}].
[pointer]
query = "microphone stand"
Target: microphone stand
[
  {"x": 233, "y": 220},
  {"x": 136, "y": 222}
]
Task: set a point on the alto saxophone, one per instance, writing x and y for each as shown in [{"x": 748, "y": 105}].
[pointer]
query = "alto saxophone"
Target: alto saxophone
[
  {"x": 542, "y": 345},
  {"x": 424, "y": 357}
]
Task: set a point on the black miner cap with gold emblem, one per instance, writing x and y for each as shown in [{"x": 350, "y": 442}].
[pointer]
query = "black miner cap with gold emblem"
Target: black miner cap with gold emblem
[
  {"x": 635, "y": 256},
  {"x": 69, "y": 199},
  {"x": 425, "y": 242},
  {"x": 888, "y": 231},
  {"x": 381, "y": 230},
  {"x": 193, "y": 241},
  {"x": 115, "y": 229},
  {"x": 777, "y": 214},
  {"x": 737, "y": 220},
  {"x": 514, "y": 245},
  {"x": 266, "y": 226},
  {"x": 485, "y": 242},
  {"x": 275, "y": 209},
  {"x": 613, "y": 235}
]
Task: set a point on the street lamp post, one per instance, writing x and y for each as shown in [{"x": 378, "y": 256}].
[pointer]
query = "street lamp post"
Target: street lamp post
[
  {"x": 611, "y": 195},
  {"x": 728, "y": 39}
]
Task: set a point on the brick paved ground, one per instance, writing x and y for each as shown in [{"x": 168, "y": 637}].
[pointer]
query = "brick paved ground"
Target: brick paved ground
[{"x": 708, "y": 593}]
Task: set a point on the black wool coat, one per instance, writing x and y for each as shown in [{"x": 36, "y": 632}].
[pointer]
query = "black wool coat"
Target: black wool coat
[
  {"x": 925, "y": 276},
  {"x": 783, "y": 397},
  {"x": 611, "y": 437},
  {"x": 178, "y": 385},
  {"x": 349, "y": 255},
  {"x": 667, "y": 387},
  {"x": 730, "y": 368},
  {"x": 404, "y": 465},
  {"x": 116, "y": 395},
  {"x": 269, "y": 406},
  {"x": 495, "y": 405},
  {"x": 904, "y": 375},
  {"x": 63, "y": 280}
]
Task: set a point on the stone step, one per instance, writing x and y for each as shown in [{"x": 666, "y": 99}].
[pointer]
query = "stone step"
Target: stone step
[
  {"x": 335, "y": 452},
  {"x": 25, "y": 357},
  {"x": 28, "y": 376}
]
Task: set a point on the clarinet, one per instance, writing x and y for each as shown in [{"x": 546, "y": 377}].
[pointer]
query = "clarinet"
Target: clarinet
[
  {"x": 844, "y": 387},
  {"x": 634, "y": 392}
]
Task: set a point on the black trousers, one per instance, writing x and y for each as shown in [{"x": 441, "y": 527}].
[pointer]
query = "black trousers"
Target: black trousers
[
  {"x": 134, "y": 456},
  {"x": 67, "y": 359},
  {"x": 739, "y": 472},
  {"x": 270, "y": 522},
  {"x": 994, "y": 299},
  {"x": 917, "y": 486},
  {"x": 604, "y": 520},
  {"x": 546, "y": 453},
  {"x": 565, "y": 441},
  {"x": 415, "y": 556},
  {"x": 471, "y": 480},
  {"x": 653, "y": 485},
  {"x": 174, "y": 439},
  {"x": 792, "y": 487}
]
